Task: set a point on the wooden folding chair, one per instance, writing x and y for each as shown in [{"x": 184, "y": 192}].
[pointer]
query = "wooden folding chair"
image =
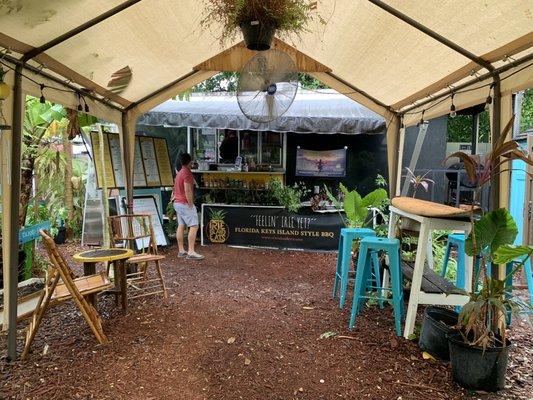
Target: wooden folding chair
[
  {"x": 136, "y": 231},
  {"x": 60, "y": 285}
]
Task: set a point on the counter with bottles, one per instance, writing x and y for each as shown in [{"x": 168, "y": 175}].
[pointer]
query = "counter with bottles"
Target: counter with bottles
[{"x": 224, "y": 180}]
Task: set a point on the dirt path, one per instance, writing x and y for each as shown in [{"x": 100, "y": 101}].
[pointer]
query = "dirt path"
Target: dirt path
[{"x": 242, "y": 324}]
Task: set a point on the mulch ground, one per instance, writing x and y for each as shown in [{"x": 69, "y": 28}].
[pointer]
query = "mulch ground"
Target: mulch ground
[{"x": 242, "y": 324}]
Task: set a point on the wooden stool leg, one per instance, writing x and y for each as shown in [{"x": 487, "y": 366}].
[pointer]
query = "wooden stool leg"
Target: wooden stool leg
[
  {"x": 42, "y": 305},
  {"x": 418, "y": 273},
  {"x": 89, "y": 268},
  {"x": 160, "y": 273},
  {"x": 122, "y": 284}
]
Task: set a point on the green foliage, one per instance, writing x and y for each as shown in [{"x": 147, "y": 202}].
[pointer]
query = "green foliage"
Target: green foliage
[
  {"x": 356, "y": 207},
  {"x": 289, "y": 197},
  {"x": 44, "y": 127},
  {"x": 380, "y": 181},
  {"x": 227, "y": 82},
  {"x": 526, "y": 122},
  {"x": 509, "y": 252},
  {"x": 439, "y": 242},
  {"x": 482, "y": 319},
  {"x": 308, "y": 82},
  {"x": 221, "y": 82},
  {"x": 172, "y": 224},
  {"x": 460, "y": 128},
  {"x": 492, "y": 230}
]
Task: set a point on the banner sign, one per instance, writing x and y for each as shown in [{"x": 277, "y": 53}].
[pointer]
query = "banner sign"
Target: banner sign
[
  {"x": 272, "y": 227},
  {"x": 321, "y": 163}
]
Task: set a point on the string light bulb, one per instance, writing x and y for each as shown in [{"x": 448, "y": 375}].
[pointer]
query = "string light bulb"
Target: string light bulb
[
  {"x": 42, "y": 99},
  {"x": 488, "y": 101},
  {"x": 86, "y": 106},
  {"x": 80, "y": 108},
  {"x": 453, "y": 113},
  {"x": 421, "y": 118}
]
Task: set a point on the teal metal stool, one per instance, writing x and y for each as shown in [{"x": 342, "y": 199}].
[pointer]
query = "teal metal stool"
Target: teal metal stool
[
  {"x": 456, "y": 240},
  {"x": 348, "y": 235},
  {"x": 368, "y": 248}
]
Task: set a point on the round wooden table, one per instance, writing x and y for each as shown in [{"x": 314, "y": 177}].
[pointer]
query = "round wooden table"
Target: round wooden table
[{"x": 118, "y": 257}]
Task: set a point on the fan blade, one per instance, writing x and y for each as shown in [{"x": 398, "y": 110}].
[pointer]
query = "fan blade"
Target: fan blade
[
  {"x": 262, "y": 70},
  {"x": 270, "y": 107}
]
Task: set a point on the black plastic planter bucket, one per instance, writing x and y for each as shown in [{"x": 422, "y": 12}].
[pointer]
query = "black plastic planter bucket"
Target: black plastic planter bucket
[
  {"x": 477, "y": 369},
  {"x": 61, "y": 236},
  {"x": 436, "y": 326},
  {"x": 257, "y": 36}
]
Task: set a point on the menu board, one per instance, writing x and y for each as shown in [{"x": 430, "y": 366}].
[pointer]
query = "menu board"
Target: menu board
[
  {"x": 163, "y": 162},
  {"x": 116, "y": 159},
  {"x": 108, "y": 165},
  {"x": 151, "y": 163},
  {"x": 139, "y": 177}
]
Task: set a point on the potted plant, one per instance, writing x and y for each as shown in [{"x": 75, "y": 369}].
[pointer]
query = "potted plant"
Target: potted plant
[
  {"x": 357, "y": 208},
  {"x": 259, "y": 20},
  {"x": 479, "y": 350},
  {"x": 437, "y": 324}
]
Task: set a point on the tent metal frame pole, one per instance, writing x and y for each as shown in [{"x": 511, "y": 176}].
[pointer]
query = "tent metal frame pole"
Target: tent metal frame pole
[
  {"x": 126, "y": 138},
  {"x": 496, "y": 132},
  {"x": 16, "y": 148},
  {"x": 362, "y": 92},
  {"x": 475, "y": 133},
  {"x": 431, "y": 33},
  {"x": 481, "y": 78},
  {"x": 79, "y": 29},
  {"x": 162, "y": 89}
]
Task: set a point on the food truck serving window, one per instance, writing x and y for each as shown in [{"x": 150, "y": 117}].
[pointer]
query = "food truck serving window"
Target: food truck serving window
[
  {"x": 272, "y": 148},
  {"x": 204, "y": 143},
  {"x": 223, "y": 146},
  {"x": 248, "y": 145}
]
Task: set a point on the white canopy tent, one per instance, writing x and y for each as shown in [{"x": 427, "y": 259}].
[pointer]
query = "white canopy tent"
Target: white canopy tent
[
  {"x": 401, "y": 59},
  {"x": 312, "y": 111}
]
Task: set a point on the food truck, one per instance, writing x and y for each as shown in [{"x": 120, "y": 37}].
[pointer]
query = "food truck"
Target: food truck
[{"x": 243, "y": 168}]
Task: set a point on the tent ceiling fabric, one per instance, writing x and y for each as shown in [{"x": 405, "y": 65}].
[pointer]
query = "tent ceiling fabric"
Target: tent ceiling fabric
[
  {"x": 362, "y": 44},
  {"x": 322, "y": 111}
]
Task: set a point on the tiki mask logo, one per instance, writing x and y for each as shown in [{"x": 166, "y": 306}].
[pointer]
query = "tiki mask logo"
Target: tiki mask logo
[{"x": 217, "y": 229}]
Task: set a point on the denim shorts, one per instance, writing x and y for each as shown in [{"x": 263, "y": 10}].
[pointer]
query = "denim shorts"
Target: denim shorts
[{"x": 186, "y": 215}]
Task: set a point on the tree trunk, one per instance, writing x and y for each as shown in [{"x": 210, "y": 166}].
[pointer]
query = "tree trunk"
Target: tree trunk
[{"x": 69, "y": 202}]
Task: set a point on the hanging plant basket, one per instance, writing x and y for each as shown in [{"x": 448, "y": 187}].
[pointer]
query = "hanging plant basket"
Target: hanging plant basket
[{"x": 257, "y": 36}]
